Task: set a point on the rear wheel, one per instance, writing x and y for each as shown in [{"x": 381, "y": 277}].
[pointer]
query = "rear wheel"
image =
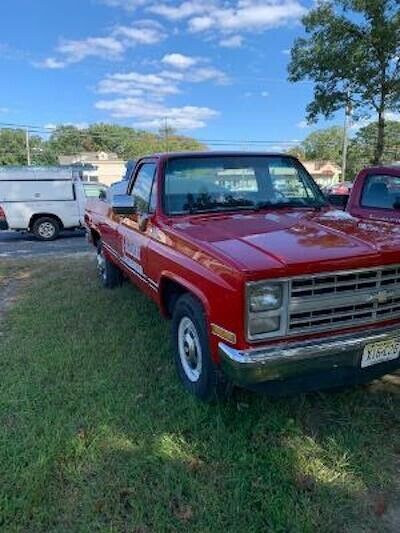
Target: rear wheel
[
  {"x": 109, "y": 274},
  {"x": 46, "y": 228},
  {"x": 196, "y": 370}
]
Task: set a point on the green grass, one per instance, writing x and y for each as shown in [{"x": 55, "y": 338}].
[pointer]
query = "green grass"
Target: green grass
[{"x": 98, "y": 435}]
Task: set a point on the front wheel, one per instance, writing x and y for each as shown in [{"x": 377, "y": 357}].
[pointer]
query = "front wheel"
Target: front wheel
[
  {"x": 196, "y": 370},
  {"x": 109, "y": 274}
]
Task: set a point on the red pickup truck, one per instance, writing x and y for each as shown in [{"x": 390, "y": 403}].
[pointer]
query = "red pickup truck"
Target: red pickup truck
[
  {"x": 376, "y": 194},
  {"x": 267, "y": 286}
]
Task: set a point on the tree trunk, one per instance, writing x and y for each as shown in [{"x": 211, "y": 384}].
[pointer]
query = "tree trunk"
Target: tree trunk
[{"x": 380, "y": 142}]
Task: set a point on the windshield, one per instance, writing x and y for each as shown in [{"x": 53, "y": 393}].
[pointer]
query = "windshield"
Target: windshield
[{"x": 203, "y": 184}]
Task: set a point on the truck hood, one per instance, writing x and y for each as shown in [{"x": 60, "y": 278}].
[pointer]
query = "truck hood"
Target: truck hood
[{"x": 298, "y": 240}]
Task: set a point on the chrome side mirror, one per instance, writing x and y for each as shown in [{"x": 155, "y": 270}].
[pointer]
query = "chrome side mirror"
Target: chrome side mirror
[{"x": 123, "y": 204}]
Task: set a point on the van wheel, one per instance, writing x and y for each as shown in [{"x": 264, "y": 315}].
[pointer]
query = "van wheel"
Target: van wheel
[
  {"x": 110, "y": 275},
  {"x": 46, "y": 228},
  {"x": 196, "y": 370}
]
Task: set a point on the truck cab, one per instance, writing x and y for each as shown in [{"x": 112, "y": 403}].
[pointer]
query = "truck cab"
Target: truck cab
[
  {"x": 376, "y": 194},
  {"x": 266, "y": 285}
]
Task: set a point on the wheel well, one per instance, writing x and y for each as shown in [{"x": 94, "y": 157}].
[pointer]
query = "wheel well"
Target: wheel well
[
  {"x": 36, "y": 216},
  {"x": 170, "y": 292}
]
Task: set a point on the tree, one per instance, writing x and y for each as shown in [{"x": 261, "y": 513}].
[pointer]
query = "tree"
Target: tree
[
  {"x": 324, "y": 144},
  {"x": 352, "y": 53},
  {"x": 127, "y": 143},
  {"x": 13, "y": 149},
  {"x": 69, "y": 140},
  {"x": 361, "y": 148},
  {"x": 320, "y": 145}
]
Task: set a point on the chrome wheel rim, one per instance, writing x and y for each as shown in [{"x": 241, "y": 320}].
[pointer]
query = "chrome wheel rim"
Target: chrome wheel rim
[
  {"x": 46, "y": 230},
  {"x": 189, "y": 347},
  {"x": 101, "y": 265}
]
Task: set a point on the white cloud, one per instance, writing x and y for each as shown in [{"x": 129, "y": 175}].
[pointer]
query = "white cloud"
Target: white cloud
[
  {"x": 125, "y": 4},
  {"x": 168, "y": 81},
  {"x": 236, "y": 16},
  {"x": 303, "y": 124},
  {"x": 234, "y": 41},
  {"x": 361, "y": 123},
  {"x": 111, "y": 47},
  {"x": 156, "y": 86},
  {"x": 141, "y": 96},
  {"x": 143, "y": 32},
  {"x": 206, "y": 73},
  {"x": 178, "y": 12},
  {"x": 77, "y": 50},
  {"x": 390, "y": 115},
  {"x": 153, "y": 115},
  {"x": 249, "y": 15},
  {"x": 50, "y": 63},
  {"x": 264, "y": 94},
  {"x": 136, "y": 84},
  {"x": 179, "y": 61},
  {"x": 4, "y": 110},
  {"x": 286, "y": 51}
]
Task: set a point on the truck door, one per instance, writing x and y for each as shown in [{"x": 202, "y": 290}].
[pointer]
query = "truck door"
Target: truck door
[{"x": 135, "y": 229}]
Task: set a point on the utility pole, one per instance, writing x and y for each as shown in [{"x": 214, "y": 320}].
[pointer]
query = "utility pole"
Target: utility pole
[
  {"x": 346, "y": 126},
  {"x": 28, "y": 149}
]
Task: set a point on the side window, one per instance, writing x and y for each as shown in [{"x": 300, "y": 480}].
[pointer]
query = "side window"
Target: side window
[
  {"x": 380, "y": 191},
  {"x": 142, "y": 187}
]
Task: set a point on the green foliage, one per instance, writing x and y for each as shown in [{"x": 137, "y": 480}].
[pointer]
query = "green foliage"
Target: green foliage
[
  {"x": 361, "y": 147},
  {"x": 352, "y": 53},
  {"x": 13, "y": 149},
  {"x": 327, "y": 144},
  {"x": 127, "y": 143}
]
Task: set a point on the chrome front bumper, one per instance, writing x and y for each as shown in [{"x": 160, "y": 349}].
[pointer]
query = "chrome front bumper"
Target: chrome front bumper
[{"x": 339, "y": 355}]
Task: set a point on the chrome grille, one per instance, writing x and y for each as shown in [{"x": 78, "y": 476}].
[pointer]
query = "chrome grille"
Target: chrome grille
[{"x": 344, "y": 299}]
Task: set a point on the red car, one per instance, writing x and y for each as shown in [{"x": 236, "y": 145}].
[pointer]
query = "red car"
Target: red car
[
  {"x": 267, "y": 286},
  {"x": 376, "y": 194},
  {"x": 338, "y": 195}
]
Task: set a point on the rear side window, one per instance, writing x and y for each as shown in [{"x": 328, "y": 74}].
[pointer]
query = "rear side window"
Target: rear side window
[
  {"x": 143, "y": 188},
  {"x": 381, "y": 191}
]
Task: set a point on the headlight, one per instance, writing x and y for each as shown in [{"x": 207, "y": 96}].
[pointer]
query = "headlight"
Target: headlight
[
  {"x": 265, "y": 297},
  {"x": 266, "y": 309}
]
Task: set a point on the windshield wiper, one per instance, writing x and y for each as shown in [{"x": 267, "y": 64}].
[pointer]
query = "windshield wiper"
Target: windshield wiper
[
  {"x": 283, "y": 205},
  {"x": 216, "y": 208}
]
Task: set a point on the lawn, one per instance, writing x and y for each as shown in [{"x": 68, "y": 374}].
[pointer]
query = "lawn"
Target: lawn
[{"x": 98, "y": 435}]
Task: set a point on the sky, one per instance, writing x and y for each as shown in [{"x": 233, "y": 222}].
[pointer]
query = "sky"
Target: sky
[{"x": 213, "y": 69}]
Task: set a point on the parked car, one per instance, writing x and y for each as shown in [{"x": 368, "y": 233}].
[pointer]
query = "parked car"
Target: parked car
[
  {"x": 43, "y": 200},
  {"x": 267, "y": 287},
  {"x": 376, "y": 194},
  {"x": 338, "y": 195}
]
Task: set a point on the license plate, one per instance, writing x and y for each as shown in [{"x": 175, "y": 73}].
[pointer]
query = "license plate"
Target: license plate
[{"x": 379, "y": 352}]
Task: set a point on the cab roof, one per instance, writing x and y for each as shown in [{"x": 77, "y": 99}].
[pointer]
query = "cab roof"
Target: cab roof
[{"x": 209, "y": 153}]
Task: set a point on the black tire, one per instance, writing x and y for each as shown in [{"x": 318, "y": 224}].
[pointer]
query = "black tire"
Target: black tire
[
  {"x": 204, "y": 380},
  {"x": 46, "y": 228},
  {"x": 109, "y": 274}
]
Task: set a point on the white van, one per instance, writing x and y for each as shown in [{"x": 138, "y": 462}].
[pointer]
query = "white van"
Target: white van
[{"x": 44, "y": 200}]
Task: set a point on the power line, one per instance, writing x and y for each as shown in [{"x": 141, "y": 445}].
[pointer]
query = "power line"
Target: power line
[{"x": 134, "y": 136}]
